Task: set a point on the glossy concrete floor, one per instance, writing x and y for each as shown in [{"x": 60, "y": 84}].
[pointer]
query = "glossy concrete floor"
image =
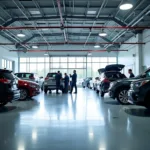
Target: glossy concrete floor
[{"x": 73, "y": 122}]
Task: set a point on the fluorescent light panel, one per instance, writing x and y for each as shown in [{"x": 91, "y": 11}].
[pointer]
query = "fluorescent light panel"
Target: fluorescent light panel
[
  {"x": 91, "y": 12},
  {"x": 126, "y": 6}
]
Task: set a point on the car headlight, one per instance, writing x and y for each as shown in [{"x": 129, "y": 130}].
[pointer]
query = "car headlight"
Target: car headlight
[
  {"x": 32, "y": 85},
  {"x": 141, "y": 83}
]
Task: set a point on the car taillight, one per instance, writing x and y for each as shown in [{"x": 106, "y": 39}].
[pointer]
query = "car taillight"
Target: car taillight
[
  {"x": 106, "y": 80},
  {"x": 5, "y": 81},
  {"x": 46, "y": 78}
]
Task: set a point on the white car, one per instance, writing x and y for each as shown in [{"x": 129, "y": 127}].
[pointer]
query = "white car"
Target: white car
[{"x": 93, "y": 83}]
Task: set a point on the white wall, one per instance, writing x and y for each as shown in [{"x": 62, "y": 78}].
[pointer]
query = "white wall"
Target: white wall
[
  {"x": 146, "y": 48},
  {"x": 5, "y": 54},
  {"x": 127, "y": 58},
  {"x": 144, "y": 53}
]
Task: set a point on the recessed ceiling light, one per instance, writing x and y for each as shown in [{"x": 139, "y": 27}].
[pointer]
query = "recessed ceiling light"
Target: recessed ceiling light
[
  {"x": 34, "y": 46},
  {"x": 91, "y": 12},
  {"x": 126, "y": 6},
  {"x": 35, "y": 12},
  {"x": 45, "y": 54},
  {"x": 96, "y": 46},
  {"x": 45, "y": 29},
  {"x": 102, "y": 34},
  {"x": 21, "y": 35}
]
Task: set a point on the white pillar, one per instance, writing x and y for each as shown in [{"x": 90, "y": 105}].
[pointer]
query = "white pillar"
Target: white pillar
[{"x": 138, "y": 58}]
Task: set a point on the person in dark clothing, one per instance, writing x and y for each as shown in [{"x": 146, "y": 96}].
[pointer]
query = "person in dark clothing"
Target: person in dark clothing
[
  {"x": 66, "y": 80},
  {"x": 131, "y": 73},
  {"x": 58, "y": 77},
  {"x": 74, "y": 81}
]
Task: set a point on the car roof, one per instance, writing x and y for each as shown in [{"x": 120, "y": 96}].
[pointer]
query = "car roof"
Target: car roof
[
  {"x": 4, "y": 70},
  {"x": 25, "y": 73}
]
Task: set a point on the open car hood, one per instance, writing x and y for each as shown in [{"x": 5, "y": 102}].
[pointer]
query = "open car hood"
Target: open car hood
[{"x": 114, "y": 67}]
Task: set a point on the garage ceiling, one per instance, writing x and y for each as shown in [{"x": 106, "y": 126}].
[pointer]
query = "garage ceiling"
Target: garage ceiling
[{"x": 37, "y": 13}]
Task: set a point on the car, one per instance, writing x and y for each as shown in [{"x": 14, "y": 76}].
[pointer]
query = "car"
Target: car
[
  {"x": 31, "y": 77},
  {"x": 8, "y": 87},
  {"x": 86, "y": 82},
  {"x": 28, "y": 89},
  {"x": 139, "y": 92},
  {"x": 93, "y": 83},
  {"x": 107, "y": 75},
  {"x": 119, "y": 89},
  {"x": 50, "y": 83}
]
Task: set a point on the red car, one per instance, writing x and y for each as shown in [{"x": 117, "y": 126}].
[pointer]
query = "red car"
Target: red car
[{"x": 27, "y": 89}]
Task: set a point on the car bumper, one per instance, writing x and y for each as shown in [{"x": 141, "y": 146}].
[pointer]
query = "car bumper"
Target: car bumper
[
  {"x": 112, "y": 94},
  {"x": 135, "y": 98},
  {"x": 34, "y": 92},
  {"x": 14, "y": 95}
]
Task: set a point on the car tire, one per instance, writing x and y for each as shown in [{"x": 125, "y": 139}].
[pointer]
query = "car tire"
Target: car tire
[
  {"x": 102, "y": 94},
  {"x": 24, "y": 94},
  {"x": 3, "y": 104},
  {"x": 122, "y": 96},
  {"x": 45, "y": 91},
  {"x": 147, "y": 102}
]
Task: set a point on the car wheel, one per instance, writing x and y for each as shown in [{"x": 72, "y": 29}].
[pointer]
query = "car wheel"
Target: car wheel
[
  {"x": 45, "y": 91},
  {"x": 102, "y": 94},
  {"x": 3, "y": 103},
  {"x": 122, "y": 96},
  {"x": 23, "y": 94},
  {"x": 147, "y": 102}
]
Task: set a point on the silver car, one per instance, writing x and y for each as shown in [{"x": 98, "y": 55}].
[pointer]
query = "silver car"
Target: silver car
[{"x": 50, "y": 83}]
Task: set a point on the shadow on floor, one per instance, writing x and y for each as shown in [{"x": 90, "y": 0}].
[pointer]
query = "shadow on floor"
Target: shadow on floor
[
  {"x": 5, "y": 109},
  {"x": 112, "y": 102},
  {"x": 141, "y": 112}
]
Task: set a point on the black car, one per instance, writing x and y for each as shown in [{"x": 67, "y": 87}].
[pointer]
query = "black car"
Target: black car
[
  {"x": 139, "y": 92},
  {"x": 8, "y": 87},
  {"x": 109, "y": 74},
  {"x": 86, "y": 82},
  {"x": 119, "y": 89}
]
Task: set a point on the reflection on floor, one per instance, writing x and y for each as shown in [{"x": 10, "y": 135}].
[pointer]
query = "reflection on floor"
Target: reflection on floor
[{"x": 73, "y": 122}]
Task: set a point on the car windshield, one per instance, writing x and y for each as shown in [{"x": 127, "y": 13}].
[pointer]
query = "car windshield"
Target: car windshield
[{"x": 51, "y": 75}]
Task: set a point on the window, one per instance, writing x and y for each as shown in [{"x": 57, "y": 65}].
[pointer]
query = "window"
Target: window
[
  {"x": 33, "y": 68},
  {"x": 71, "y": 59},
  {"x": 79, "y": 59},
  {"x": 44, "y": 65},
  {"x": 103, "y": 59},
  {"x": 40, "y": 59},
  {"x": 112, "y": 59},
  {"x": 72, "y": 65},
  {"x": 8, "y": 64},
  {"x": 55, "y": 59},
  {"x": 63, "y": 59},
  {"x": 32, "y": 59},
  {"x": 22, "y": 59}
]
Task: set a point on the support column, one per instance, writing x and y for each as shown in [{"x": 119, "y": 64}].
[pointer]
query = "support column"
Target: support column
[{"x": 139, "y": 57}]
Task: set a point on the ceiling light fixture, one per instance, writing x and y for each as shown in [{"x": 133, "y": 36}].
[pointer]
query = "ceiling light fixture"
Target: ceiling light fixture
[
  {"x": 34, "y": 46},
  {"x": 91, "y": 12},
  {"x": 126, "y": 6},
  {"x": 46, "y": 54},
  {"x": 103, "y": 33},
  {"x": 96, "y": 46},
  {"x": 21, "y": 35}
]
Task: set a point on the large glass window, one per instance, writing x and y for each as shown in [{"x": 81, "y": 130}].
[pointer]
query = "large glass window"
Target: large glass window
[
  {"x": 85, "y": 66},
  {"x": 8, "y": 64}
]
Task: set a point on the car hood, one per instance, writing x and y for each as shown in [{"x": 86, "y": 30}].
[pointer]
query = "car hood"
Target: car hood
[
  {"x": 141, "y": 79},
  {"x": 128, "y": 79}
]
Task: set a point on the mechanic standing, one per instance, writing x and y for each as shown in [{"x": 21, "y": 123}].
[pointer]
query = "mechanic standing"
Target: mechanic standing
[
  {"x": 66, "y": 80},
  {"x": 74, "y": 81},
  {"x": 131, "y": 73},
  {"x": 58, "y": 77}
]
